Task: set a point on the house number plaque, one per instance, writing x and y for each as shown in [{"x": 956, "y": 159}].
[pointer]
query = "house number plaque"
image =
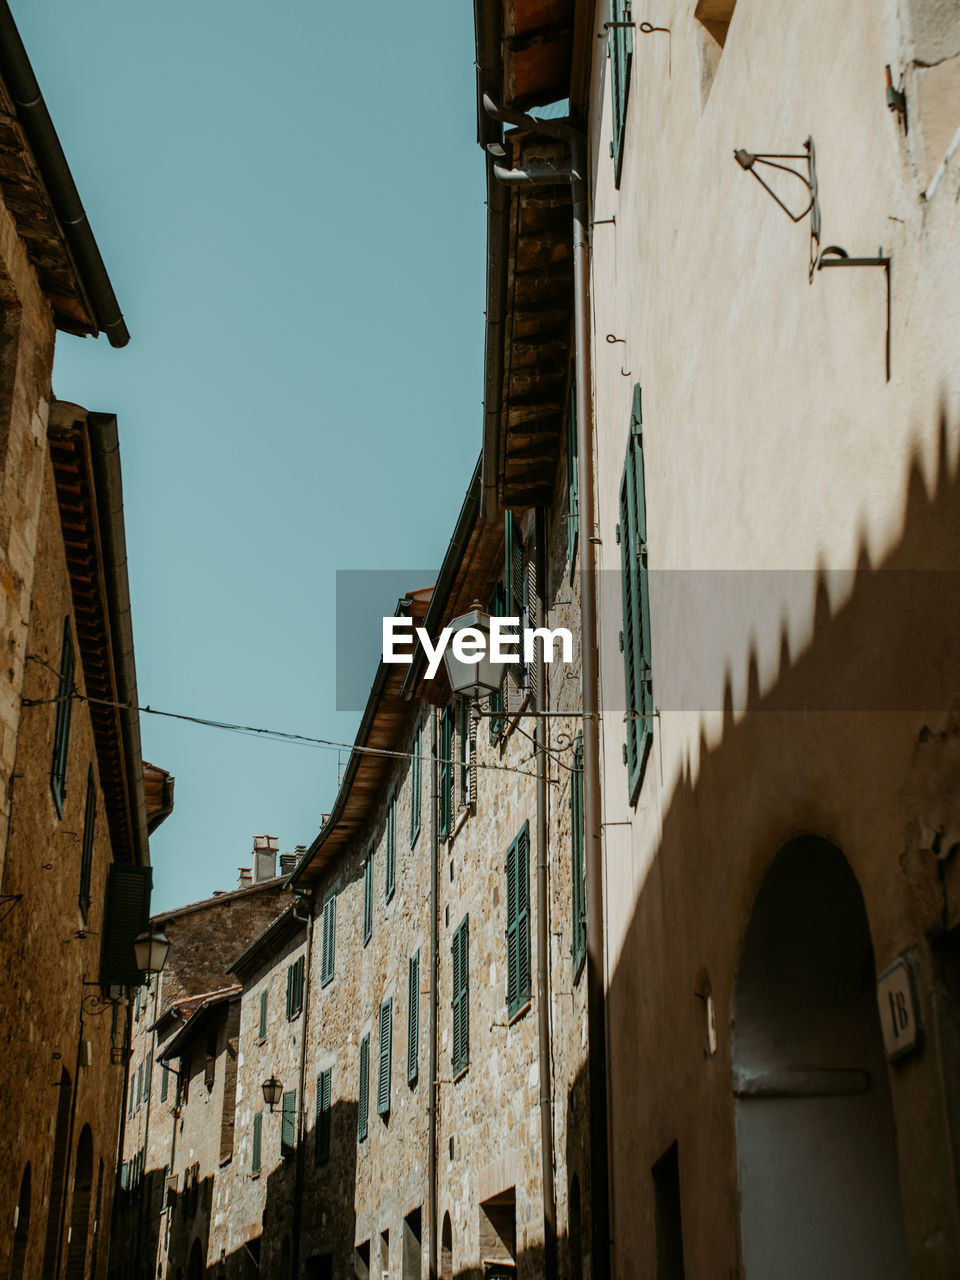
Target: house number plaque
[{"x": 898, "y": 1011}]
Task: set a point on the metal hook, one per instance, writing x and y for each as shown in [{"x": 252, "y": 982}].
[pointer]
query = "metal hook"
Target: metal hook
[{"x": 612, "y": 338}]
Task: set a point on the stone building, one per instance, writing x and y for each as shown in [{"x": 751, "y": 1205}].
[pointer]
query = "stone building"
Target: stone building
[
  {"x": 768, "y": 409},
  {"x": 176, "y": 1019}
]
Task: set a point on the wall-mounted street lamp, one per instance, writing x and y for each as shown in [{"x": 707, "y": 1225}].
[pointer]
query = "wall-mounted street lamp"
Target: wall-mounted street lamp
[
  {"x": 272, "y": 1091},
  {"x": 470, "y": 669},
  {"x": 150, "y": 949},
  {"x": 749, "y": 160}
]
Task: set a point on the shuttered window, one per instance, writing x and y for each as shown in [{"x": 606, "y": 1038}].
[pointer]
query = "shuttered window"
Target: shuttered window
[
  {"x": 413, "y": 1018},
  {"x": 328, "y": 962},
  {"x": 461, "y": 996},
  {"x": 446, "y": 773},
  {"x": 321, "y": 1148},
  {"x": 164, "y": 1082},
  {"x": 578, "y": 901},
  {"x": 288, "y": 1123},
  {"x": 61, "y": 731},
  {"x": 386, "y": 1055},
  {"x": 139, "y": 1085},
  {"x": 257, "y": 1141},
  {"x": 496, "y": 704},
  {"x": 516, "y": 596},
  {"x": 126, "y": 913},
  {"x": 368, "y": 895},
  {"x": 391, "y": 841},
  {"x": 632, "y": 536},
  {"x": 416, "y": 784},
  {"x": 295, "y": 976},
  {"x": 148, "y": 1076},
  {"x": 262, "y": 1029},
  {"x": 363, "y": 1099},
  {"x": 86, "y": 848},
  {"x": 621, "y": 60},
  {"x": 573, "y": 495},
  {"x": 465, "y": 733},
  {"x": 518, "y": 922}
]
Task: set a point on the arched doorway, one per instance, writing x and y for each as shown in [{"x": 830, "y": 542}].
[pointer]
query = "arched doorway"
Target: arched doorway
[
  {"x": 195, "y": 1265},
  {"x": 576, "y": 1231},
  {"x": 80, "y": 1211},
  {"x": 58, "y": 1173},
  {"x": 21, "y": 1228},
  {"x": 446, "y": 1249},
  {"x": 816, "y": 1143}
]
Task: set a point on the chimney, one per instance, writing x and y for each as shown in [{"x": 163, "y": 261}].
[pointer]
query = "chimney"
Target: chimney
[
  {"x": 264, "y": 858},
  {"x": 287, "y": 862},
  {"x": 246, "y": 878}
]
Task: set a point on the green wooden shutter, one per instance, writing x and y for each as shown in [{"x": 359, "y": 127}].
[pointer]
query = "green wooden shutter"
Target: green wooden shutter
[
  {"x": 61, "y": 732},
  {"x": 515, "y": 594},
  {"x": 288, "y": 1123},
  {"x": 578, "y": 896},
  {"x": 446, "y": 772},
  {"x": 368, "y": 895},
  {"x": 416, "y": 783},
  {"x": 413, "y": 1018},
  {"x": 322, "y": 1137},
  {"x": 363, "y": 1101},
  {"x": 126, "y": 913},
  {"x": 621, "y": 60},
  {"x": 86, "y": 854},
  {"x": 262, "y": 1031},
  {"x": 391, "y": 876},
  {"x": 518, "y": 922},
  {"x": 148, "y": 1076},
  {"x": 636, "y": 606},
  {"x": 139, "y": 1085},
  {"x": 164, "y": 1082},
  {"x": 461, "y": 996},
  {"x": 257, "y": 1142},
  {"x": 289, "y": 990},
  {"x": 386, "y": 1055},
  {"x": 573, "y": 495},
  {"x": 328, "y": 965},
  {"x": 497, "y": 702}
]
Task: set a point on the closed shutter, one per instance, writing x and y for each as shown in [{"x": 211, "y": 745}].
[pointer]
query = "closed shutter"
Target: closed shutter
[
  {"x": 391, "y": 846},
  {"x": 322, "y": 1137},
  {"x": 148, "y": 1076},
  {"x": 289, "y": 991},
  {"x": 328, "y": 965},
  {"x": 515, "y": 596},
  {"x": 257, "y": 1139},
  {"x": 413, "y": 1018},
  {"x": 446, "y": 772},
  {"x": 86, "y": 855},
  {"x": 573, "y": 496},
  {"x": 496, "y": 704},
  {"x": 288, "y": 1123},
  {"x": 578, "y": 902},
  {"x": 637, "y": 668},
  {"x": 518, "y": 922},
  {"x": 363, "y": 1101},
  {"x": 61, "y": 732},
  {"x": 386, "y": 1056},
  {"x": 461, "y": 996},
  {"x": 368, "y": 895},
  {"x": 416, "y": 784},
  {"x": 164, "y": 1082},
  {"x": 621, "y": 59},
  {"x": 299, "y": 969},
  {"x": 262, "y": 1030},
  {"x": 139, "y": 1085},
  {"x": 126, "y": 914}
]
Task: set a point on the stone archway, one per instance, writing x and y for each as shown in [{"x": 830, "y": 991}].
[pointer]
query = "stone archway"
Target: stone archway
[
  {"x": 21, "y": 1229},
  {"x": 816, "y": 1145},
  {"x": 80, "y": 1210}
]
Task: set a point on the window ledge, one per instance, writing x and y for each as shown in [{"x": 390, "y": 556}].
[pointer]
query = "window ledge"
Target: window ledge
[
  {"x": 458, "y": 1075},
  {"x": 524, "y": 1009}
]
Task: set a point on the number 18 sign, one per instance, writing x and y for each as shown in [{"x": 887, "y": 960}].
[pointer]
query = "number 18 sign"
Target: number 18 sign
[{"x": 898, "y": 1012}]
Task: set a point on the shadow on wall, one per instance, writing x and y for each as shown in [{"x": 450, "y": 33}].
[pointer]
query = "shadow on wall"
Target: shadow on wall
[{"x": 850, "y": 766}]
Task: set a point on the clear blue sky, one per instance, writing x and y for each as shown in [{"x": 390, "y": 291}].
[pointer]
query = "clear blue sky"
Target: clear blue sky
[{"x": 289, "y": 201}]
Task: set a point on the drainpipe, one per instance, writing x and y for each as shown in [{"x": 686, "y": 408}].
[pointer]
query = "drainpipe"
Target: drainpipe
[
  {"x": 434, "y": 975},
  {"x": 543, "y": 934},
  {"x": 307, "y": 919},
  {"x": 596, "y": 1015}
]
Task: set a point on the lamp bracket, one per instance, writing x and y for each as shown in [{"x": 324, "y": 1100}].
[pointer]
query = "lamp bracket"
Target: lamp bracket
[{"x": 835, "y": 256}]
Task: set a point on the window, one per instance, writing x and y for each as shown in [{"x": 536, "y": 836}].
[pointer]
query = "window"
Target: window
[
  {"x": 86, "y": 854},
  {"x": 632, "y": 536},
  {"x": 391, "y": 876},
  {"x": 461, "y": 996},
  {"x": 288, "y": 1123},
  {"x": 148, "y": 1075},
  {"x": 368, "y": 895},
  {"x": 328, "y": 962},
  {"x": 516, "y": 595},
  {"x": 621, "y": 57},
  {"x": 573, "y": 495},
  {"x": 210, "y": 1066},
  {"x": 496, "y": 702},
  {"x": 61, "y": 732},
  {"x": 295, "y": 974},
  {"x": 446, "y": 772},
  {"x": 257, "y": 1141},
  {"x": 164, "y": 1082},
  {"x": 139, "y": 1085},
  {"x": 518, "y": 922},
  {"x": 413, "y": 1018},
  {"x": 416, "y": 783},
  {"x": 363, "y": 1100},
  {"x": 321, "y": 1150},
  {"x": 578, "y": 896},
  {"x": 467, "y": 795},
  {"x": 386, "y": 1053},
  {"x": 262, "y": 1029}
]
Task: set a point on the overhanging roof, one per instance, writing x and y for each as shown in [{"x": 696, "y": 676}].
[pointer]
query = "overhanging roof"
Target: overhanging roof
[
  {"x": 286, "y": 926},
  {"x": 211, "y": 1005}
]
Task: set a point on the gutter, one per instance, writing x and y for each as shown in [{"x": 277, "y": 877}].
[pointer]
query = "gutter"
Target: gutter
[
  {"x": 434, "y": 1100},
  {"x": 105, "y": 455},
  {"x": 35, "y": 119},
  {"x": 302, "y": 1108}
]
